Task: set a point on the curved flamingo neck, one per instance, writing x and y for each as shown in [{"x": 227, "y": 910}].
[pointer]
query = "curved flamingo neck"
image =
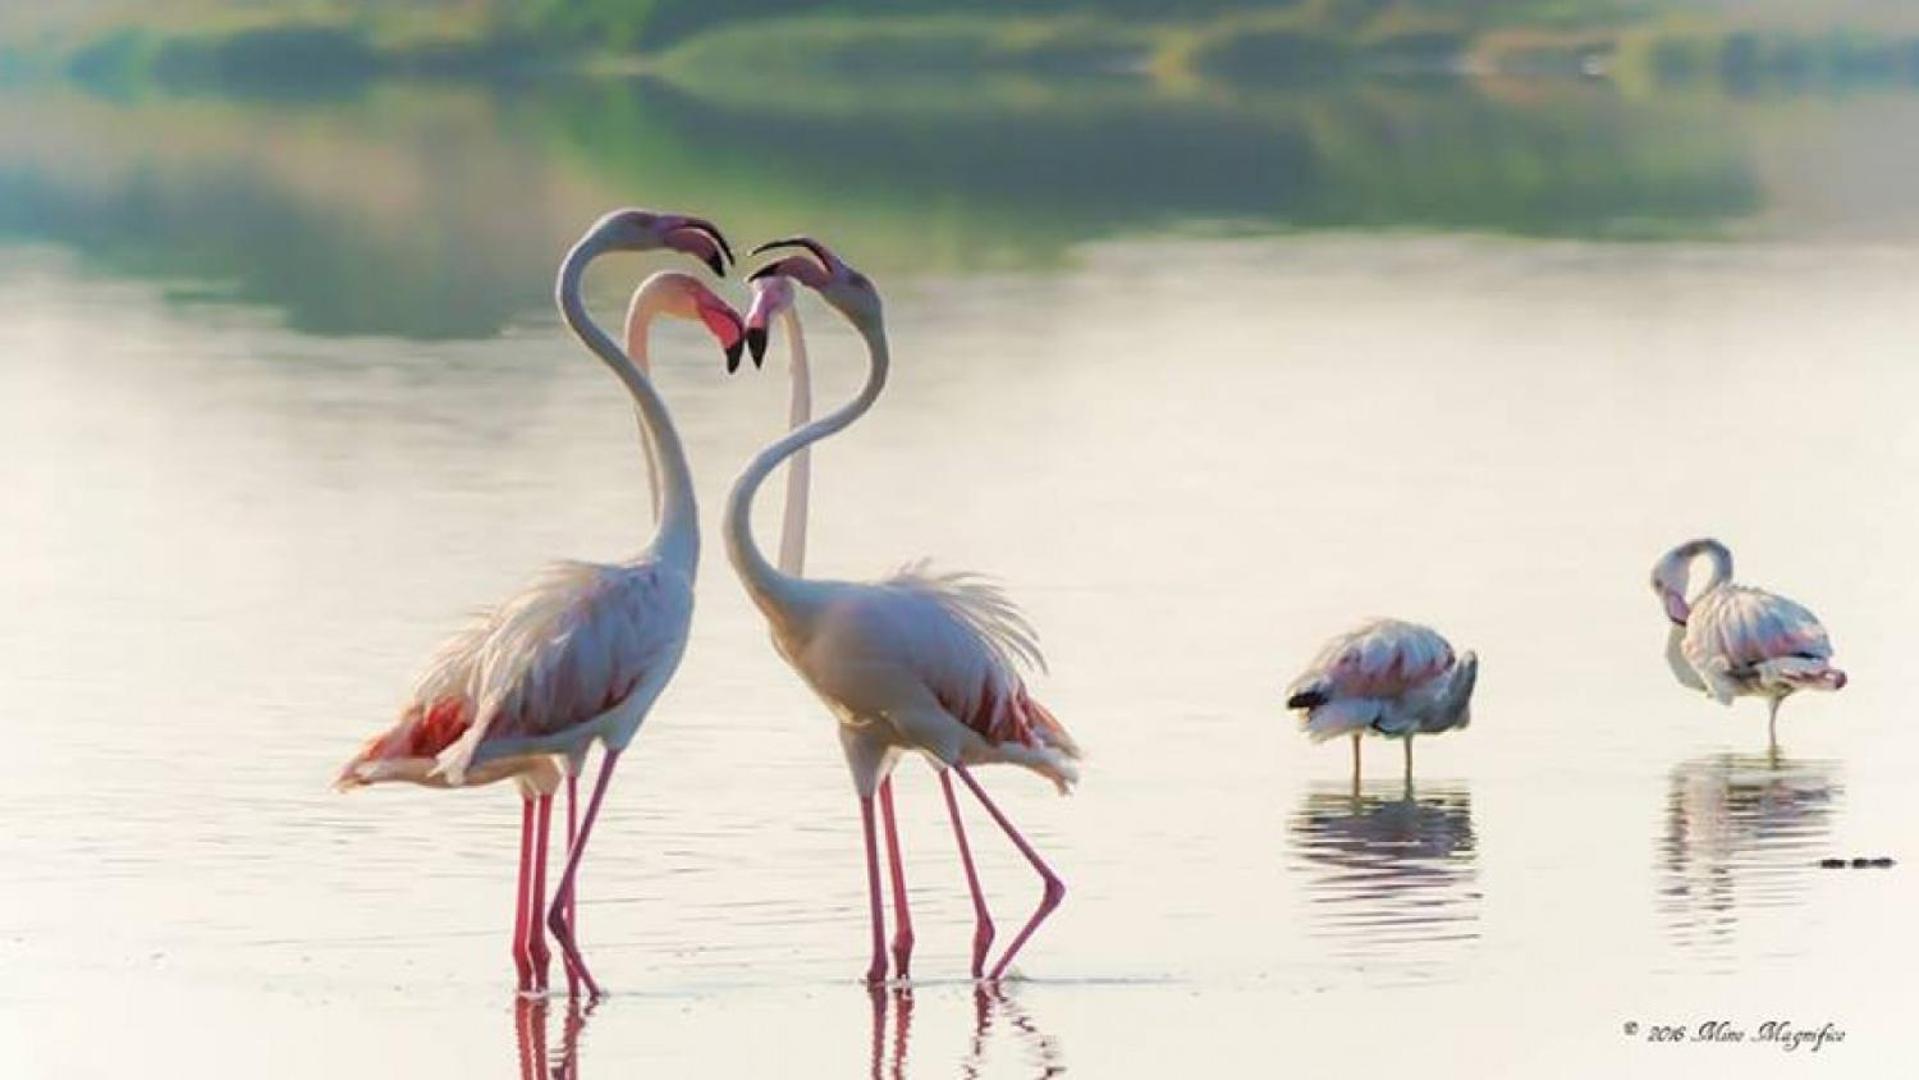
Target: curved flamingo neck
[
  {"x": 640, "y": 313},
  {"x": 774, "y": 591},
  {"x": 799, "y": 472},
  {"x": 677, "y": 536}
]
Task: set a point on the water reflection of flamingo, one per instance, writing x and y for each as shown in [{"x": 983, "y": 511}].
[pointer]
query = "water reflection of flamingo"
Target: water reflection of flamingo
[
  {"x": 773, "y": 300},
  {"x": 990, "y": 1002},
  {"x": 581, "y": 654},
  {"x": 529, "y": 1039},
  {"x": 1742, "y": 833},
  {"x": 1736, "y": 641},
  {"x": 1387, "y": 677},
  {"x": 1391, "y": 876},
  {"x": 919, "y": 661}
]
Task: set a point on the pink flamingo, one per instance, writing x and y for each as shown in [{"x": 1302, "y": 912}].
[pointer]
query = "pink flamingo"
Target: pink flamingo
[
  {"x": 581, "y": 654},
  {"x": 1387, "y": 677},
  {"x": 918, "y": 661},
  {"x": 1736, "y": 641}
]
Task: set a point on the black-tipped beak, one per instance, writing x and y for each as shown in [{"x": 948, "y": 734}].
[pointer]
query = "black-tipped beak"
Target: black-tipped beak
[
  {"x": 713, "y": 232},
  {"x": 733, "y": 357},
  {"x": 756, "y": 343},
  {"x": 713, "y": 262},
  {"x": 767, "y": 271}
]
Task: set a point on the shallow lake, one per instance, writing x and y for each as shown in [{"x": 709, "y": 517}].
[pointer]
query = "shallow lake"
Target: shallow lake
[{"x": 1202, "y": 381}]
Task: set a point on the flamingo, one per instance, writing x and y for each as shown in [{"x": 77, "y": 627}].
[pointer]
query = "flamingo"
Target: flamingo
[
  {"x": 773, "y": 300},
  {"x": 919, "y": 661},
  {"x": 1737, "y": 641},
  {"x": 1387, "y": 677},
  {"x": 581, "y": 654}
]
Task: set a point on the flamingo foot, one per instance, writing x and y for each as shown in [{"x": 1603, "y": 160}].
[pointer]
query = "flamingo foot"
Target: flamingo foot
[
  {"x": 577, "y": 975},
  {"x": 1049, "y": 900}
]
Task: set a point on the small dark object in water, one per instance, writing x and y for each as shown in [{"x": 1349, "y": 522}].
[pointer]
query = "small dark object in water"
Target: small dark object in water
[
  {"x": 1858, "y": 862},
  {"x": 1882, "y": 862},
  {"x": 1832, "y": 864},
  {"x": 1861, "y": 862}
]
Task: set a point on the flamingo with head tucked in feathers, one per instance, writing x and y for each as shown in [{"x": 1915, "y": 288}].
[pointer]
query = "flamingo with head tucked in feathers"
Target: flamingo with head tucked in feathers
[
  {"x": 1390, "y": 678},
  {"x": 582, "y": 653},
  {"x": 1737, "y": 641},
  {"x": 919, "y": 661}
]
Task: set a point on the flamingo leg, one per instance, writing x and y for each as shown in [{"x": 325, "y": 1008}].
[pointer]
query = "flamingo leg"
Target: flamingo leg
[
  {"x": 558, "y": 918},
  {"x": 537, "y": 951},
  {"x": 523, "y": 915},
  {"x": 903, "y": 920},
  {"x": 1355, "y": 763},
  {"x": 572, "y": 833},
  {"x": 876, "y": 971},
  {"x": 1055, "y": 889},
  {"x": 1772, "y": 725},
  {"x": 982, "y": 918},
  {"x": 1409, "y": 761}
]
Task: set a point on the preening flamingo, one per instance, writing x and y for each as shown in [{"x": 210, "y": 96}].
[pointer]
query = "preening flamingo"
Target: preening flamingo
[
  {"x": 581, "y": 654},
  {"x": 917, "y": 661},
  {"x": 1735, "y": 641},
  {"x": 1390, "y": 678}
]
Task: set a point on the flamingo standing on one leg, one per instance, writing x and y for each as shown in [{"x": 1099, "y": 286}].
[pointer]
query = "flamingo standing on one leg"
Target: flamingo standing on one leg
[
  {"x": 582, "y": 653},
  {"x": 918, "y": 661},
  {"x": 1387, "y": 677},
  {"x": 1736, "y": 641}
]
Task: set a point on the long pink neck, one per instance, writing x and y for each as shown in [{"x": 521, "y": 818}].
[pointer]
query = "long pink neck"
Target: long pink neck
[{"x": 677, "y": 537}]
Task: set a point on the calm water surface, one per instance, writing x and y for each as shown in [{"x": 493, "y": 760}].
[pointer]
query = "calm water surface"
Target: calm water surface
[{"x": 1201, "y": 382}]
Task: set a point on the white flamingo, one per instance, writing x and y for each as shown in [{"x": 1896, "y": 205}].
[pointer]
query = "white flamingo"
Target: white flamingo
[
  {"x": 773, "y": 301},
  {"x": 581, "y": 654},
  {"x": 1390, "y": 678},
  {"x": 1736, "y": 641},
  {"x": 918, "y": 661}
]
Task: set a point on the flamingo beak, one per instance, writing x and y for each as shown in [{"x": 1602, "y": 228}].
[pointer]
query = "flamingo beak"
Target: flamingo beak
[
  {"x": 727, "y": 329},
  {"x": 756, "y": 344},
  {"x": 701, "y": 239},
  {"x": 1676, "y": 608}
]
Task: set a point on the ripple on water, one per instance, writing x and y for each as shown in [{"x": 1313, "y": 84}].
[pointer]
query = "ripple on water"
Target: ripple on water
[
  {"x": 1742, "y": 842},
  {"x": 1391, "y": 880}
]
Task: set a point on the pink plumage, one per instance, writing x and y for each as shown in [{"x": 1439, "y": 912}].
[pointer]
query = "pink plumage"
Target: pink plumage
[
  {"x": 1737, "y": 641},
  {"x": 1386, "y": 677},
  {"x": 563, "y": 653}
]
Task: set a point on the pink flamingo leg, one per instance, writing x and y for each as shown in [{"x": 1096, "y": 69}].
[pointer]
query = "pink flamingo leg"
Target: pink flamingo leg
[
  {"x": 558, "y": 918},
  {"x": 982, "y": 918},
  {"x": 522, "y": 916},
  {"x": 572, "y": 833},
  {"x": 903, "y": 931},
  {"x": 537, "y": 951},
  {"x": 1055, "y": 888},
  {"x": 876, "y": 971}
]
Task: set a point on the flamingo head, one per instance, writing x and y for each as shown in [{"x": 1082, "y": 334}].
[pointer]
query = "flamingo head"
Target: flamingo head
[
  {"x": 633, "y": 229},
  {"x": 1669, "y": 584},
  {"x": 850, "y": 292},
  {"x": 1672, "y": 575},
  {"x": 772, "y": 295},
  {"x": 683, "y": 296}
]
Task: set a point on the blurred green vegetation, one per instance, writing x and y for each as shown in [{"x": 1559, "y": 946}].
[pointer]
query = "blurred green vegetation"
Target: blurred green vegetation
[{"x": 1750, "y": 45}]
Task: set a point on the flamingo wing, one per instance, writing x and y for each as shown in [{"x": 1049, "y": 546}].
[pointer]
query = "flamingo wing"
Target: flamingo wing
[
  {"x": 1384, "y": 658},
  {"x": 1741, "y": 635},
  {"x": 1360, "y": 678},
  {"x": 572, "y": 645},
  {"x": 1750, "y": 626},
  {"x": 968, "y": 643}
]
